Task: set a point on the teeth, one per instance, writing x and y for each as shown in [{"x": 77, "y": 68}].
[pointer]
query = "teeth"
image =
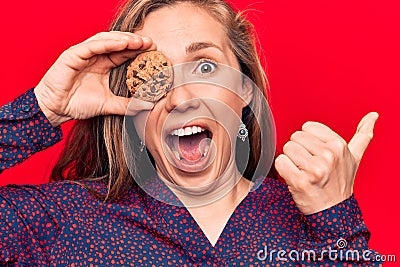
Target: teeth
[
  {"x": 176, "y": 154},
  {"x": 206, "y": 149},
  {"x": 187, "y": 131}
]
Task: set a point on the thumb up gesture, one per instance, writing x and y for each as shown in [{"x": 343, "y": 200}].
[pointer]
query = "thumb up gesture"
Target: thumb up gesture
[{"x": 318, "y": 165}]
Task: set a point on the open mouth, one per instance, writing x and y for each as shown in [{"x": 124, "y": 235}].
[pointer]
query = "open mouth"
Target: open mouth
[{"x": 190, "y": 147}]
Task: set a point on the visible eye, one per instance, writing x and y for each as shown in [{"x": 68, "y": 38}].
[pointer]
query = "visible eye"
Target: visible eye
[{"x": 205, "y": 66}]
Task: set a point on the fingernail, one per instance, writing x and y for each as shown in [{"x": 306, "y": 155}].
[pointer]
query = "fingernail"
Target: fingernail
[
  {"x": 132, "y": 38},
  {"x": 146, "y": 39},
  {"x": 373, "y": 117}
]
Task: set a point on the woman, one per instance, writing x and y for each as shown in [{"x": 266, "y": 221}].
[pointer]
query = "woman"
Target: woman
[{"x": 108, "y": 216}]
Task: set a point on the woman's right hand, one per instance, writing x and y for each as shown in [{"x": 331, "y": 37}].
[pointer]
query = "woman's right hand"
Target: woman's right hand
[{"x": 77, "y": 85}]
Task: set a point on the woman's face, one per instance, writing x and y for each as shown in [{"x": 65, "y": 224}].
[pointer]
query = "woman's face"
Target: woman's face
[{"x": 191, "y": 132}]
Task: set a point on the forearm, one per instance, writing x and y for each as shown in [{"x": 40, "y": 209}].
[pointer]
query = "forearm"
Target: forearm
[{"x": 24, "y": 130}]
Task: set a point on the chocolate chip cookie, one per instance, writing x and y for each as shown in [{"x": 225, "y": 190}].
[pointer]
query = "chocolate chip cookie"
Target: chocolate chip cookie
[{"x": 149, "y": 76}]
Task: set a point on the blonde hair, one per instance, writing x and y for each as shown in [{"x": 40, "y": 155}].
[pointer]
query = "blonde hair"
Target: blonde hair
[{"x": 94, "y": 147}]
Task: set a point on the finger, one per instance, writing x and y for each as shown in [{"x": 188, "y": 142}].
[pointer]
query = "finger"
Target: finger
[
  {"x": 319, "y": 130},
  {"x": 89, "y": 49},
  {"x": 297, "y": 154},
  {"x": 118, "y": 105},
  {"x": 311, "y": 143},
  {"x": 116, "y": 35},
  {"x": 365, "y": 131},
  {"x": 287, "y": 169},
  {"x": 147, "y": 42},
  {"x": 117, "y": 58},
  {"x": 121, "y": 56},
  {"x": 80, "y": 56}
]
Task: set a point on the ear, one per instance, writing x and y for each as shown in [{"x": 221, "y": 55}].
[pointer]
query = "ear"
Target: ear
[{"x": 247, "y": 91}]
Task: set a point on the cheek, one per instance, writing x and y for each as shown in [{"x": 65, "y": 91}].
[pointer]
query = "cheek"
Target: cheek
[
  {"x": 143, "y": 121},
  {"x": 230, "y": 99}
]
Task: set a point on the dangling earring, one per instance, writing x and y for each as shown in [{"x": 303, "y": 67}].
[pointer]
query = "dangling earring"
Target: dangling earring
[
  {"x": 243, "y": 132},
  {"x": 141, "y": 146}
]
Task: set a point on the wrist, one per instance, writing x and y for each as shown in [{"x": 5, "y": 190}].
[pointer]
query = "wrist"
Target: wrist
[
  {"x": 313, "y": 203},
  {"x": 54, "y": 118}
]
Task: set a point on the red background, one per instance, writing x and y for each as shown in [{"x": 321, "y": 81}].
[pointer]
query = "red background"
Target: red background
[{"x": 327, "y": 61}]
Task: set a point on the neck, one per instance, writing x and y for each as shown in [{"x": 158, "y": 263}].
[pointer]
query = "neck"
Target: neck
[{"x": 225, "y": 187}]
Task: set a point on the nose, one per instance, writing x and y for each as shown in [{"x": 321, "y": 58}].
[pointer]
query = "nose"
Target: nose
[{"x": 181, "y": 99}]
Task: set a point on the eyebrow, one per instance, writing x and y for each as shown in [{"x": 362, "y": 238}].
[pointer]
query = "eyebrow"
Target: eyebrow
[{"x": 194, "y": 47}]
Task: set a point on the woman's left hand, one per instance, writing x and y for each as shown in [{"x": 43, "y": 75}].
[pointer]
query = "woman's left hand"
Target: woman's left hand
[{"x": 319, "y": 166}]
